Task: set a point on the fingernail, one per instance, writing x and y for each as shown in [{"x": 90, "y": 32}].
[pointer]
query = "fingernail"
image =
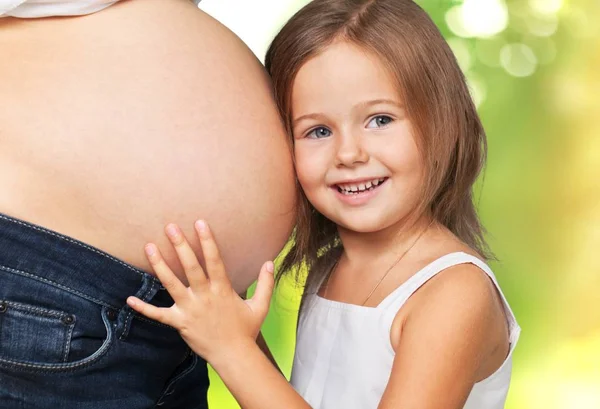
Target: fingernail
[
  {"x": 201, "y": 225},
  {"x": 150, "y": 249},
  {"x": 172, "y": 230},
  {"x": 131, "y": 301},
  {"x": 270, "y": 266}
]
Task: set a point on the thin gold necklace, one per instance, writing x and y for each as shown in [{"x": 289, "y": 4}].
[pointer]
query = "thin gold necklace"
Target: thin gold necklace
[{"x": 386, "y": 272}]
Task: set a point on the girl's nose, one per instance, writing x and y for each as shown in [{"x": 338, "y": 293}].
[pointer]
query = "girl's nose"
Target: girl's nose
[{"x": 350, "y": 151}]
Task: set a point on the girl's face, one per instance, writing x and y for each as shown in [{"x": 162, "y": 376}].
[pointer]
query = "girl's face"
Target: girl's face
[{"x": 356, "y": 156}]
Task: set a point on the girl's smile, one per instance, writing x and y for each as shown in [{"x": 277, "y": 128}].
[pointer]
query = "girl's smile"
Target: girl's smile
[{"x": 358, "y": 192}]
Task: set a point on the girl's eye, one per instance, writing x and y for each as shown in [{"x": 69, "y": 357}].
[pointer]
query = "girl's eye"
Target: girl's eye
[
  {"x": 379, "y": 121},
  {"x": 319, "y": 133}
]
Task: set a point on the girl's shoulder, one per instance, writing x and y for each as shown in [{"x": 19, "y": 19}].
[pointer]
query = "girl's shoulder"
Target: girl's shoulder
[
  {"x": 454, "y": 283},
  {"x": 457, "y": 289},
  {"x": 458, "y": 299}
]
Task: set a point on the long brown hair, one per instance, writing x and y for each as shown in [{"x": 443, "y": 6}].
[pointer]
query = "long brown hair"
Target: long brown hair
[{"x": 448, "y": 130}]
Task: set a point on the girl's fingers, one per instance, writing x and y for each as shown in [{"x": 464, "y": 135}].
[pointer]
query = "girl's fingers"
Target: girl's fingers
[
  {"x": 171, "y": 283},
  {"x": 150, "y": 311},
  {"x": 215, "y": 268},
  {"x": 192, "y": 268},
  {"x": 261, "y": 299}
]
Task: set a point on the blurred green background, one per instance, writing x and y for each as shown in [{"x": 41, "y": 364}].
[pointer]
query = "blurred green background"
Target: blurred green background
[{"x": 534, "y": 70}]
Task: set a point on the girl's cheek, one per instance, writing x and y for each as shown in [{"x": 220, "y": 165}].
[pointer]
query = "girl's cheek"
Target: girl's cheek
[
  {"x": 303, "y": 175},
  {"x": 307, "y": 178},
  {"x": 300, "y": 159}
]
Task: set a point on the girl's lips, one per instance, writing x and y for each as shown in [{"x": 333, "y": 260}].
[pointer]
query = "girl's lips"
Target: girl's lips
[{"x": 358, "y": 198}]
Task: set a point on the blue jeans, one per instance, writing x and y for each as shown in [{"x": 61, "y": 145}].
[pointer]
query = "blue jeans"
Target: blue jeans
[{"x": 68, "y": 339}]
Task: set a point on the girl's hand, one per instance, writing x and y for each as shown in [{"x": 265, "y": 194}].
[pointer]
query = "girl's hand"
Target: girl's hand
[{"x": 210, "y": 316}]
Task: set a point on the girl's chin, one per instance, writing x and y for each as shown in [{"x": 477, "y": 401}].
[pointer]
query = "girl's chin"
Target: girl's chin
[{"x": 361, "y": 226}]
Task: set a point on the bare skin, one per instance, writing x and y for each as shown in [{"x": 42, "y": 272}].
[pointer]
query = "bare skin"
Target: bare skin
[{"x": 98, "y": 110}]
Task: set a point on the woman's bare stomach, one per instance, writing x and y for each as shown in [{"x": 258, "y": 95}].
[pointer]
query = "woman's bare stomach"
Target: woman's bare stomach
[{"x": 149, "y": 112}]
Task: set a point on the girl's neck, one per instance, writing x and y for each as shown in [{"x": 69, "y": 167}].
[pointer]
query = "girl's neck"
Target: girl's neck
[{"x": 364, "y": 248}]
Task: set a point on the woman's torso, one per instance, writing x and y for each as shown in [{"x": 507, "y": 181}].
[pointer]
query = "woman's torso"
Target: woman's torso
[
  {"x": 344, "y": 354},
  {"x": 148, "y": 112}
]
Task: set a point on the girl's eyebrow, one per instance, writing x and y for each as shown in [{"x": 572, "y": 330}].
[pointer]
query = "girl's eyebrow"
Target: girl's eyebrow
[
  {"x": 307, "y": 116},
  {"x": 372, "y": 102}
]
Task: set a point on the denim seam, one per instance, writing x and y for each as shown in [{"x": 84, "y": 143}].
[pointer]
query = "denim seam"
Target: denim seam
[
  {"x": 70, "y": 240},
  {"x": 51, "y": 368},
  {"x": 39, "y": 310},
  {"x": 52, "y": 283},
  {"x": 177, "y": 378},
  {"x": 68, "y": 342},
  {"x": 127, "y": 322}
]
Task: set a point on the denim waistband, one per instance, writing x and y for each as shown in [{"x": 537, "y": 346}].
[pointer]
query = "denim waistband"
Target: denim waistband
[{"x": 67, "y": 263}]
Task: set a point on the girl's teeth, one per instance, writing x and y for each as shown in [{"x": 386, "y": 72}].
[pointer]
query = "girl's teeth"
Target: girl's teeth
[{"x": 348, "y": 189}]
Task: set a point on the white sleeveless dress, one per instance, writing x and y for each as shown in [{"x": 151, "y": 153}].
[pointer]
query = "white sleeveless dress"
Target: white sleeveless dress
[
  {"x": 344, "y": 356},
  {"x": 48, "y": 8}
]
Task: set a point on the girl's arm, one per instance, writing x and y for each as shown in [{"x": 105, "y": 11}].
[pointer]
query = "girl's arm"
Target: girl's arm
[
  {"x": 255, "y": 382},
  {"x": 445, "y": 344},
  {"x": 264, "y": 347},
  {"x": 219, "y": 325}
]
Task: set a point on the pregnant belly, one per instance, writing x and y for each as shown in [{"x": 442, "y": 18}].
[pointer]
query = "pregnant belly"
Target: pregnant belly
[{"x": 146, "y": 113}]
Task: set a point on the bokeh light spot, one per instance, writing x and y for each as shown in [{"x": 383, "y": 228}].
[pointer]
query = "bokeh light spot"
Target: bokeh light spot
[
  {"x": 518, "y": 60},
  {"x": 545, "y": 6},
  {"x": 543, "y": 26},
  {"x": 478, "y": 18}
]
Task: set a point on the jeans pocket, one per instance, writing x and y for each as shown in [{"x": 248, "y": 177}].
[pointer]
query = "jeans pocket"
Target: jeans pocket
[
  {"x": 48, "y": 327},
  {"x": 44, "y": 345},
  {"x": 32, "y": 333}
]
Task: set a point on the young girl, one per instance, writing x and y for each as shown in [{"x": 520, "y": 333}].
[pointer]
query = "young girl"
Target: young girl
[{"x": 399, "y": 308}]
